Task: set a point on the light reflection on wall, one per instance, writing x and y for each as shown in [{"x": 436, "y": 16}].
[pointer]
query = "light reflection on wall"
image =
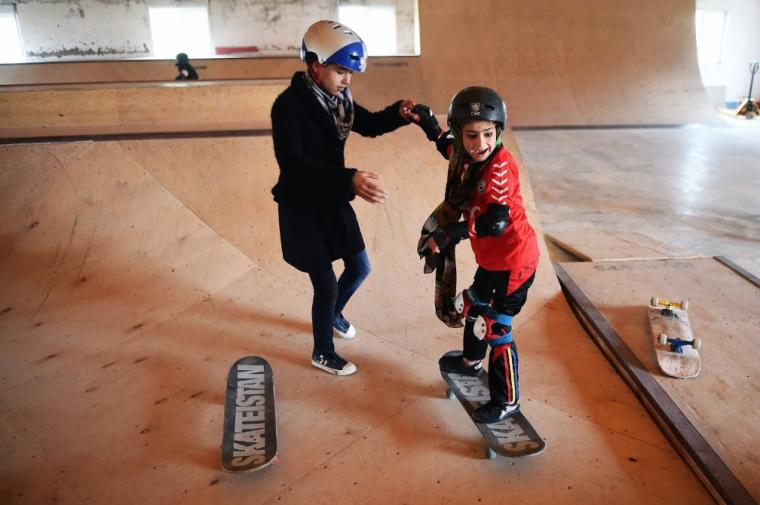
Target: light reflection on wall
[
  {"x": 180, "y": 30},
  {"x": 10, "y": 43},
  {"x": 376, "y": 25}
]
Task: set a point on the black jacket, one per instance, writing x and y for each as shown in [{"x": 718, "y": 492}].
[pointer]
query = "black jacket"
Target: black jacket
[
  {"x": 317, "y": 223},
  {"x": 307, "y": 148}
]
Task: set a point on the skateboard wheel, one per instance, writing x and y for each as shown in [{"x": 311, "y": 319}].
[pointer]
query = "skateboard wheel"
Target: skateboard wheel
[
  {"x": 449, "y": 394},
  {"x": 697, "y": 343},
  {"x": 654, "y": 302},
  {"x": 662, "y": 339},
  {"x": 490, "y": 454},
  {"x": 684, "y": 305}
]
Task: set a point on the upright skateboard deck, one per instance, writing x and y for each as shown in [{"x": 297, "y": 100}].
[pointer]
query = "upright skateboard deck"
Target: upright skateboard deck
[
  {"x": 249, "y": 441},
  {"x": 675, "y": 347},
  {"x": 513, "y": 437}
]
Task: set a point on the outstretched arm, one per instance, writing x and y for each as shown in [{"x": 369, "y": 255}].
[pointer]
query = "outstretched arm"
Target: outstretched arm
[{"x": 372, "y": 124}]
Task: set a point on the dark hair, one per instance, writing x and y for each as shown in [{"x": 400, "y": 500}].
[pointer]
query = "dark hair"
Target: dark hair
[{"x": 310, "y": 58}]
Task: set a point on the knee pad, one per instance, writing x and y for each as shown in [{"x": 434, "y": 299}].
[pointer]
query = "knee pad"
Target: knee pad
[
  {"x": 493, "y": 327},
  {"x": 468, "y": 305}
]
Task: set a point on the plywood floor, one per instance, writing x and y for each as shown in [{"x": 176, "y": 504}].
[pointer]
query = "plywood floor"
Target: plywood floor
[{"x": 136, "y": 272}]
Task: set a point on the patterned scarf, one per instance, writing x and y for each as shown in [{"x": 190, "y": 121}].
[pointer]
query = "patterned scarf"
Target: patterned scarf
[
  {"x": 463, "y": 176},
  {"x": 340, "y": 108}
]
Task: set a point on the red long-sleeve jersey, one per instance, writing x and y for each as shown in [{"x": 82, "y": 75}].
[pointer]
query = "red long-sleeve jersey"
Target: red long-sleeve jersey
[{"x": 517, "y": 249}]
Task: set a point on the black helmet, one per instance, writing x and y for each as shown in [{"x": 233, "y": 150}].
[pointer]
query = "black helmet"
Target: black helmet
[
  {"x": 477, "y": 103},
  {"x": 182, "y": 59}
]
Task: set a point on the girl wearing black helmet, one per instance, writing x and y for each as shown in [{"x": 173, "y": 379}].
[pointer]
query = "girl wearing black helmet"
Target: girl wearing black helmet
[
  {"x": 311, "y": 121},
  {"x": 483, "y": 187}
]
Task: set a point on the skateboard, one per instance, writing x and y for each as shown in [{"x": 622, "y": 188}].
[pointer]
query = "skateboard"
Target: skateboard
[
  {"x": 249, "y": 441},
  {"x": 675, "y": 347},
  {"x": 513, "y": 437}
]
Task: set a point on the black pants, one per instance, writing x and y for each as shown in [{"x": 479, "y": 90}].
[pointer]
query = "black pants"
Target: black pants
[{"x": 491, "y": 287}]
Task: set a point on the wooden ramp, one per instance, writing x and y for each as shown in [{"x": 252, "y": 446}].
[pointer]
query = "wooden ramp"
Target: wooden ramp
[
  {"x": 136, "y": 272},
  {"x": 713, "y": 418}
]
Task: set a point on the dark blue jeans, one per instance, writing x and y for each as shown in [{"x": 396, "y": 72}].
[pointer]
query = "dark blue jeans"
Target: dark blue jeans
[{"x": 331, "y": 296}]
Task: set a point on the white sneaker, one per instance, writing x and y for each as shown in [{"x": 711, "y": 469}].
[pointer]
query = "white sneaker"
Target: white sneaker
[{"x": 342, "y": 328}]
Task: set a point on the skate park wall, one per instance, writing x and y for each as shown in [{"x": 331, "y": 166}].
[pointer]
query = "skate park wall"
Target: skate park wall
[{"x": 557, "y": 64}]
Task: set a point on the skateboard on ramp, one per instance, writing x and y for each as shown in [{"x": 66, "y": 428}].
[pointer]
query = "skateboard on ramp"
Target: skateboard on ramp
[
  {"x": 513, "y": 437},
  {"x": 249, "y": 441},
  {"x": 675, "y": 347}
]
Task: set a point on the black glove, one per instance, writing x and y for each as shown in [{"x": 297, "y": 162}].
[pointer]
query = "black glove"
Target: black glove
[
  {"x": 427, "y": 122},
  {"x": 450, "y": 235}
]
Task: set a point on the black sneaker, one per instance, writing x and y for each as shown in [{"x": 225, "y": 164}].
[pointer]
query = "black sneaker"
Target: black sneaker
[
  {"x": 332, "y": 363},
  {"x": 455, "y": 364},
  {"x": 493, "y": 412}
]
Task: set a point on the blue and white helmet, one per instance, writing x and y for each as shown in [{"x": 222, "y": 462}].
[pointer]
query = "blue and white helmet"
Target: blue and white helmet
[{"x": 333, "y": 42}]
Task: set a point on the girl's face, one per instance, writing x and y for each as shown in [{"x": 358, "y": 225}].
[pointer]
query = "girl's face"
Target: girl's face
[
  {"x": 479, "y": 139},
  {"x": 334, "y": 78}
]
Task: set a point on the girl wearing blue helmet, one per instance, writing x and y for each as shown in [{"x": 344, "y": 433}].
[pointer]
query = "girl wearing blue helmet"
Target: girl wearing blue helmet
[{"x": 311, "y": 121}]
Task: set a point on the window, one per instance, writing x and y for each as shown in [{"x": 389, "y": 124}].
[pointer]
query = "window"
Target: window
[
  {"x": 180, "y": 30},
  {"x": 10, "y": 43},
  {"x": 711, "y": 31},
  {"x": 376, "y": 25}
]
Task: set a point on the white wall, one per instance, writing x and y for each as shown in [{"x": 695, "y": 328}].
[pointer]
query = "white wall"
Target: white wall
[
  {"x": 60, "y": 30},
  {"x": 84, "y": 28},
  {"x": 274, "y": 28},
  {"x": 742, "y": 47}
]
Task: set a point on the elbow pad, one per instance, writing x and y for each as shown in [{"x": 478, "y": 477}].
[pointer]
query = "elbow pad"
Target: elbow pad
[{"x": 494, "y": 222}]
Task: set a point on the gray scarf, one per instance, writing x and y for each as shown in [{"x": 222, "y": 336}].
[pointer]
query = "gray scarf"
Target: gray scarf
[{"x": 340, "y": 108}]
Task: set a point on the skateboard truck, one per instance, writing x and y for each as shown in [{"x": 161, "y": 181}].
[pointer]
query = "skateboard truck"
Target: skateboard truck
[
  {"x": 669, "y": 305},
  {"x": 676, "y": 344}
]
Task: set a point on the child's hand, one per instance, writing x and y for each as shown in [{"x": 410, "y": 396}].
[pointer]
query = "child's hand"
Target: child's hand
[
  {"x": 366, "y": 187},
  {"x": 406, "y": 111}
]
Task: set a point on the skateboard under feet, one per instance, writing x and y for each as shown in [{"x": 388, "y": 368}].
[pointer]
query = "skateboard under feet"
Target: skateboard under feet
[{"x": 513, "y": 437}]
